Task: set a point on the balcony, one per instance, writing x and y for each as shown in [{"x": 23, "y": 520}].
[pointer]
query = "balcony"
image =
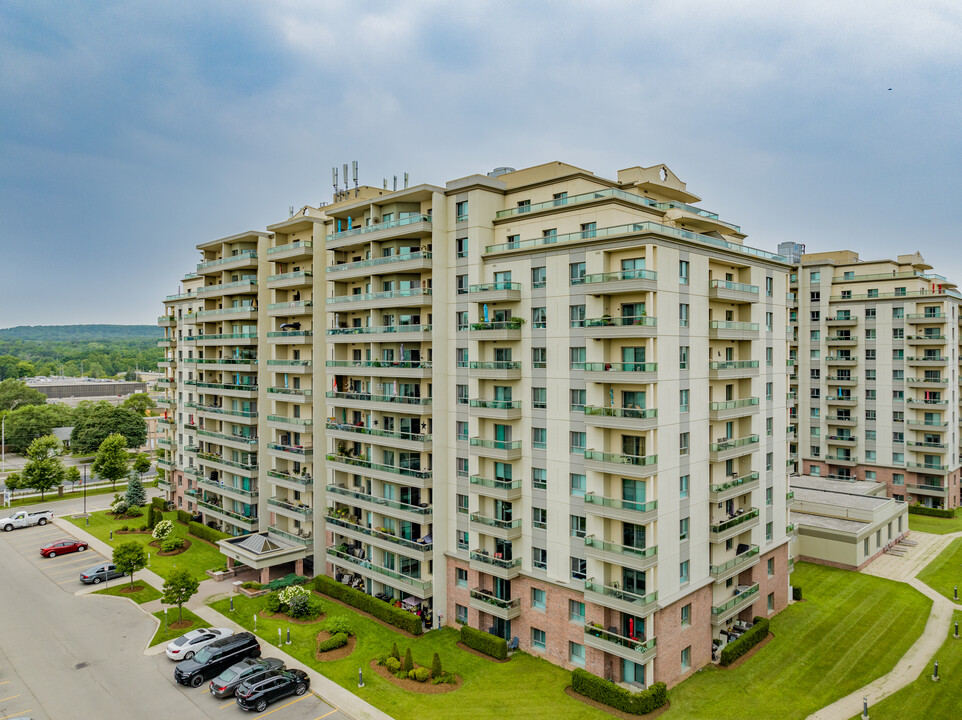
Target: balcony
[
  {"x": 618, "y": 464},
  {"x": 229, "y": 466},
  {"x": 298, "y": 511},
  {"x": 842, "y": 321},
  {"x": 927, "y": 360},
  {"x": 246, "y": 417},
  {"x": 495, "y": 292},
  {"x": 843, "y": 440},
  {"x": 728, "y": 330},
  {"x": 414, "y": 586},
  {"x": 231, "y": 491},
  {"x": 243, "y": 259},
  {"x": 290, "y": 309},
  {"x": 741, "y": 561},
  {"x": 408, "y": 297},
  {"x": 506, "y": 450},
  {"x": 925, "y": 339},
  {"x": 486, "y": 602},
  {"x": 299, "y": 483},
  {"x": 926, "y": 318},
  {"x": 495, "y": 409},
  {"x": 295, "y": 367},
  {"x": 386, "y": 368},
  {"x": 392, "y": 473},
  {"x": 732, "y": 291},
  {"x": 624, "y": 418},
  {"x": 484, "y": 562},
  {"x": 841, "y": 340},
  {"x": 638, "y": 513},
  {"x": 231, "y": 288},
  {"x": 932, "y": 405},
  {"x": 623, "y": 282},
  {"x": 727, "y": 448},
  {"x": 565, "y": 202},
  {"x": 384, "y": 403},
  {"x": 842, "y": 380},
  {"x": 509, "y": 490},
  {"x": 930, "y": 468},
  {"x": 243, "y": 390},
  {"x": 843, "y": 420},
  {"x": 402, "y": 263},
  {"x": 621, "y": 600},
  {"x": 732, "y": 369},
  {"x": 291, "y": 251},
  {"x": 495, "y": 370},
  {"x": 621, "y": 372},
  {"x": 639, "y": 651},
  {"x": 242, "y": 363},
  {"x": 621, "y": 555},
  {"x": 605, "y": 327},
  {"x": 304, "y": 540},
  {"x": 223, "y": 339},
  {"x": 238, "y": 442},
  {"x": 745, "y": 596},
  {"x": 291, "y": 337},
  {"x": 844, "y": 360},
  {"x": 403, "y": 440},
  {"x": 722, "y": 531},
  {"x": 420, "y": 514},
  {"x": 504, "y": 330},
  {"x": 842, "y": 400},
  {"x": 720, "y": 492},
  {"x": 382, "y": 333},
  {"x": 842, "y": 460},
  {"x": 415, "y": 225},
  {"x": 242, "y": 521},
  {"x": 288, "y": 394},
  {"x": 927, "y": 423},
  {"x": 935, "y": 447},
  {"x": 294, "y": 424},
  {"x": 927, "y": 489},
  {"x": 167, "y": 321},
  {"x": 927, "y": 383},
  {"x": 299, "y": 279},
  {"x": 503, "y": 529},
  {"x": 732, "y": 408}
]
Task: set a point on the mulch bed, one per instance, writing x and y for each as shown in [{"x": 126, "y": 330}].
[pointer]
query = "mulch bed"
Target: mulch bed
[
  {"x": 180, "y": 624},
  {"x": 749, "y": 654},
  {"x": 480, "y": 654},
  {"x": 366, "y": 614},
  {"x": 425, "y": 688},
  {"x": 128, "y": 589},
  {"x": 337, "y": 654},
  {"x": 132, "y": 532},
  {"x": 287, "y": 618},
  {"x": 178, "y": 551},
  {"x": 614, "y": 711}
]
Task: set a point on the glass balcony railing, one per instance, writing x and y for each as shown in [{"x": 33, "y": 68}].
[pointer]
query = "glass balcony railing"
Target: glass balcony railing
[
  {"x": 496, "y": 444},
  {"x": 220, "y": 487},
  {"x": 639, "y": 646},
  {"x": 238, "y": 517},
  {"x": 210, "y": 457},
  {"x": 495, "y": 404},
  {"x": 730, "y": 325},
  {"x": 384, "y": 502},
  {"x": 299, "y": 275},
  {"x": 305, "y": 510},
  {"x": 733, "y": 365},
  {"x": 641, "y": 507},
  {"x": 367, "y": 464},
  {"x": 226, "y": 436},
  {"x": 740, "y": 598},
  {"x": 487, "y": 597},
  {"x": 237, "y": 285},
  {"x": 383, "y": 295},
  {"x": 379, "y": 329},
  {"x": 299, "y": 479},
  {"x": 621, "y": 367},
  {"x": 243, "y": 255},
  {"x": 497, "y": 325},
  {"x": 733, "y": 522},
  {"x": 728, "y": 285},
  {"x": 495, "y": 522},
  {"x": 492, "y": 286},
  {"x": 368, "y": 397},
  {"x": 621, "y": 321},
  {"x": 377, "y": 262},
  {"x": 352, "y": 561},
  {"x": 635, "y": 552},
  {"x": 371, "y": 532},
  {"x": 223, "y": 386},
  {"x": 387, "y": 365},
  {"x": 733, "y": 482},
  {"x": 224, "y": 361},
  {"x": 246, "y": 309},
  {"x": 482, "y": 556},
  {"x": 495, "y": 365},
  {"x": 735, "y": 561},
  {"x": 305, "y": 392},
  {"x": 927, "y": 316},
  {"x": 291, "y": 334},
  {"x": 292, "y": 305},
  {"x": 294, "y": 363},
  {"x": 299, "y": 539},
  {"x": 638, "y": 460},
  {"x": 630, "y": 413},
  {"x": 224, "y": 411},
  {"x": 733, "y": 404},
  {"x": 495, "y": 484},
  {"x": 732, "y": 443},
  {"x": 400, "y": 222},
  {"x": 577, "y": 200},
  {"x": 618, "y": 594},
  {"x": 374, "y": 432},
  {"x": 620, "y": 275},
  {"x": 224, "y": 336},
  {"x": 303, "y": 422},
  {"x": 290, "y": 246}
]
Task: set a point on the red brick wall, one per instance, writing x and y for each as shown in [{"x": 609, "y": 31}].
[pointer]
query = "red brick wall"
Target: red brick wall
[
  {"x": 884, "y": 475},
  {"x": 673, "y": 638},
  {"x": 777, "y": 583}
]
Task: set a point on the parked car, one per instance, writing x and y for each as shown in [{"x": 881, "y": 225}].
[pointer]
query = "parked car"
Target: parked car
[
  {"x": 250, "y": 669},
  {"x": 62, "y": 547},
  {"x": 215, "y": 657},
  {"x": 24, "y": 519},
  {"x": 187, "y": 645},
  {"x": 98, "y": 573},
  {"x": 274, "y": 685}
]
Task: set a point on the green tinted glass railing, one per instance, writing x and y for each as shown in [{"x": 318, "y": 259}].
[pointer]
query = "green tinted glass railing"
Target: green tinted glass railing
[
  {"x": 495, "y": 522},
  {"x": 295, "y": 363},
  {"x": 641, "y": 460},
  {"x": 577, "y": 200},
  {"x": 735, "y": 561},
  {"x": 370, "y": 532},
  {"x": 290, "y": 246},
  {"x": 495, "y": 365},
  {"x": 379, "y": 329},
  {"x": 368, "y": 397},
  {"x": 303, "y": 422},
  {"x": 619, "y": 594},
  {"x": 495, "y": 484},
  {"x": 385, "y": 295},
  {"x": 499, "y": 325},
  {"x": 621, "y": 321},
  {"x": 362, "y": 463},
  {"x": 483, "y": 557},
  {"x": 386, "y": 365},
  {"x": 306, "y": 392},
  {"x": 300, "y": 274},
  {"x": 228, "y": 286},
  {"x": 492, "y": 286},
  {"x": 733, "y": 365},
  {"x": 621, "y": 367},
  {"x": 294, "y": 304},
  {"x": 393, "y": 504},
  {"x": 733, "y": 522},
  {"x": 733, "y": 404},
  {"x": 400, "y": 222},
  {"x": 374, "y": 432},
  {"x": 641, "y": 507},
  {"x": 423, "y": 585},
  {"x": 729, "y": 325},
  {"x": 224, "y": 436},
  {"x": 733, "y": 483},
  {"x": 733, "y": 443},
  {"x": 495, "y": 404},
  {"x": 620, "y": 275},
  {"x": 737, "y": 600},
  {"x": 496, "y": 444},
  {"x": 728, "y": 285},
  {"x": 630, "y": 413},
  {"x": 375, "y": 262},
  {"x": 243, "y": 255}
]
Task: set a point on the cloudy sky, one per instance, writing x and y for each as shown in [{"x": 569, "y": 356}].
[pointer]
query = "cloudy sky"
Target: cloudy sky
[{"x": 131, "y": 131}]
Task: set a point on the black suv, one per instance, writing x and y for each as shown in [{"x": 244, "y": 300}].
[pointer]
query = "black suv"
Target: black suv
[
  {"x": 216, "y": 657},
  {"x": 277, "y": 684},
  {"x": 246, "y": 670}
]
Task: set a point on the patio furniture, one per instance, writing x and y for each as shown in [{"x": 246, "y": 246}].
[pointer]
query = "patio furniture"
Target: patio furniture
[{"x": 513, "y": 645}]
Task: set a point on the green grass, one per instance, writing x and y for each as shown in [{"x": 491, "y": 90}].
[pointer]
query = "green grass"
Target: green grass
[
  {"x": 936, "y": 525},
  {"x": 526, "y": 687},
  {"x": 198, "y": 559},
  {"x": 165, "y": 636},
  {"x": 146, "y": 594},
  {"x": 925, "y": 698},
  {"x": 851, "y": 629},
  {"x": 52, "y": 496},
  {"x": 945, "y": 572}
]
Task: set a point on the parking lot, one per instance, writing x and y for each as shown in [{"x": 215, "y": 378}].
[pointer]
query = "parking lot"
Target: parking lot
[{"x": 62, "y": 652}]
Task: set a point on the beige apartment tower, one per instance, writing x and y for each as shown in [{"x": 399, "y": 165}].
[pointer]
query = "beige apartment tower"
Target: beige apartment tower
[{"x": 541, "y": 402}]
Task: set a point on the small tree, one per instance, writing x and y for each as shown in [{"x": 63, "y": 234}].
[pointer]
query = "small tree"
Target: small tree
[
  {"x": 394, "y": 652},
  {"x": 73, "y": 474},
  {"x": 135, "y": 495},
  {"x": 43, "y": 470},
  {"x": 129, "y": 557},
  {"x": 152, "y": 518},
  {"x": 113, "y": 460},
  {"x": 162, "y": 530},
  {"x": 408, "y": 665},
  {"x": 140, "y": 403},
  {"x": 436, "y": 670},
  {"x": 14, "y": 481},
  {"x": 180, "y": 587}
]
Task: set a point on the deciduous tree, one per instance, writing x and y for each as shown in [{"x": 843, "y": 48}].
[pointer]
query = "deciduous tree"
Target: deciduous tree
[
  {"x": 180, "y": 587},
  {"x": 140, "y": 403},
  {"x": 94, "y": 424},
  {"x": 14, "y": 394},
  {"x": 129, "y": 557},
  {"x": 44, "y": 470},
  {"x": 112, "y": 461}
]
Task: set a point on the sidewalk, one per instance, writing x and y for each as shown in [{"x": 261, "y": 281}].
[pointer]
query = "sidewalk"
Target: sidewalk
[{"x": 329, "y": 691}]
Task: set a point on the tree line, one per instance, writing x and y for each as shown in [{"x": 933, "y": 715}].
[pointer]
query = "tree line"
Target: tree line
[{"x": 93, "y": 358}]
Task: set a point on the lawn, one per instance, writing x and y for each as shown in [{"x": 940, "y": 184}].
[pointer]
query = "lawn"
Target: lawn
[
  {"x": 936, "y": 525},
  {"x": 198, "y": 559},
  {"x": 144, "y": 595},
  {"x": 945, "y": 572},
  {"x": 165, "y": 636},
  {"x": 850, "y": 629},
  {"x": 924, "y": 698}
]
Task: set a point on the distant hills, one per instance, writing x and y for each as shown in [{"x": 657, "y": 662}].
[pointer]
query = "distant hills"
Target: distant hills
[{"x": 82, "y": 333}]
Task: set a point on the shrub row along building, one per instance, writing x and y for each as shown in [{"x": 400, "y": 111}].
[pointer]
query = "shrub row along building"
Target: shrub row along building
[{"x": 544, "y": 403}]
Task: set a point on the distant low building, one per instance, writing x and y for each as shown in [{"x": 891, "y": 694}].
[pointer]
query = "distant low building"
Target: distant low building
[{"x": 58, "y": 388}]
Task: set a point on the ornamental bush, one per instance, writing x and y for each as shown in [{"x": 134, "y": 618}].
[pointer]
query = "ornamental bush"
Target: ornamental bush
[
  {"x": 408, "y": 663},
  {"x": 119, "y": 507},
  {"x": 491, "y": 645},
  {"x": 607, "y": 693},
  {"x": 333, "y": 643},
  {"x": 436, "y": 670},
  {"x": 205, "y": 533},
  {"x": 362, "y": 601},
  {"x": 394, "y": 652},
  {"x": 422, "y": 674},
  {"x": 932, "y": 512},
  {"x": 796, "y": 593},
  {"x": 393, "y": 664},
  {"x": 162, "y": 530},
  {"x": 339, "y": 624},
  {"x": 734, "y": 650},
  {"x": 184, "y": 517},
  {"x": 171, "y": 544},
  {"x": 273, "y": 603},
  {"x": 286, "y": 581},
  {"x": 158, "y": 502}
]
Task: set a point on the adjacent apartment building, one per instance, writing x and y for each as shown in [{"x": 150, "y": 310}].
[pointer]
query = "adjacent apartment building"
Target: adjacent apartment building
[
  {"x": 544, "y": 403},
  {"x": 877, "y": 374}
]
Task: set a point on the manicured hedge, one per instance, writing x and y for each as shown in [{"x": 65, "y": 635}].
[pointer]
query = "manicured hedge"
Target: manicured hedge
[
  {"x": 185, "y": 517},
  {"x": 362, "y": 601},
  {"x": 933, "y": 512},
  {"x": 796, "y": 593},
  {"x": 285, "y": 581},
  {"x": 205, "y": 533},
  {"x": 158, "y": 503},
  {"x": 333, "y": 643},
  {"x": 607, "y": 693},
  {"x": 484, "y": 642},
  {"x": 746, "y": 642}
]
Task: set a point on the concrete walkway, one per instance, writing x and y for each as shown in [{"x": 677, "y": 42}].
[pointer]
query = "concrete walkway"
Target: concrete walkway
[{"x": 919, "y": 657}]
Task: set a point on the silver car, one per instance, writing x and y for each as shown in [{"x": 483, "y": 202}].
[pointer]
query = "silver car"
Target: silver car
[{"x": 248, "y": 669}]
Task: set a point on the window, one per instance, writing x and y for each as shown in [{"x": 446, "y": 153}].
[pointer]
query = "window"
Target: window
[
  {"x": 683, "y": 443},
  {"x": 771, "y": 567},
  {"x": 461, "y": 614},
  {"x": 578, "y": 484},
  {"x": 463, "y": 540},
  {"x": 683, "y": 482},
  {"x": 461, "y": 320},
  {"x": 815, "y": 354},
  {"x": 461, "y": 210},
  {"x": 686, "y": 658},
  {"x": 461, "y": 283},
  {"x": 537, "y": 599},
  {"x": 576, "y": 611},
  {"x": 870, "y": 415},
  {"x": 560, "y": 198},
  {"x": 768, "y": 496},
  {"x": 461, "y": 357},
  {"x": 539, "y": 518},
  {"x": 539, "y": 277},
  {"x": 577, "y": 400},
  {"x": 588, "y": 229},
  {"x": 814, "y": 276},
  {"x": 683, "y": 572},
  {"x": 846, "y": 294},
  {"x": 815, "y": 335},
  {"x": 769, "y": 286},
  {"x": 814, "y": 470},
  {"x": 578, "y": 442},
  {"x": 815, "y": 296},
  {"x": 815, "y": 373},
  {"x": 870, "y": 375},
  {"x": 869, "y": 456},
  {"x": 896, "y": 394},
  {"x": 815, "y": 316},
  {"x": 577, "y": 525},
  {"x": 683, "y": 272},
  {"x": 870, "y": 334},
  {"x": 815, "y": 393},
  {"x": 898, "y": 375},
  {"x": 539, "y": 318},
  {"x": 870, "y": 354},
  {"x": 870, "y": 437},
  {"x": 769, "y": 391},
  {"x": 524, "y": 206},
  {"x": 539, "y": 397},
  {"x": 771, "y": 602},
  {"x": 898, "y": 312},
  {"x": 769, "y": 426},
  {"x": 898, "y": 416},
  {"x": 770, "y": 321},
  {"x": 539, "y": 558},
  {"x": 576, "y": 653},
  {"x": 576, "y": 314},
  {"x": 683, "y": 315},
  {"x": 462, "y": 392},
  {"x": 898, "y": 333},
  {"x": 538, "y": 639},
  {"x": 539, "y": 357},
  {"x": 683, "y": 526},
  {"x": 539, "y": 478},
  {"x": 686, "y": 615},
  {"x": 539, "y": 438},
  {"x": 769, "y": 531},
  {"x": 683, "y": 357},
  {"x": 815, "y": 431},
  {"x": 578, "y": 568},
  {"x": 462, "y": 467},
  {"x": 683, "y": 400},
  {"x": 769, "y": 357},
  {"x": 462, "y": 577},
  {"x": 461, "y": 245},
  {"x": 898, "y": 479},
  {"x": 871, "y": 395},
  {"x": 576, "y": 273},
  {"x": 462, "y": 503},
  {"x": 869, "y": 313},
  {"x": 461, "y": 430},
  {"x": 769, "y": 461},
  {"x": 576, "y": 357}
]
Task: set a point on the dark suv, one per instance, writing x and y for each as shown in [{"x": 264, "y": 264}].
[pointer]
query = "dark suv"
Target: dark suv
[
  {"x": 246, "y": 670},
  {"x": 277, "y": 684},
  {"x": 216, "y": 657}
]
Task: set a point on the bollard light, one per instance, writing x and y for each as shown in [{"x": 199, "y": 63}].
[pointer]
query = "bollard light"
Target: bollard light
[
  {"x": 88, "y": 522},
  {"x": 288, "y": 636},
  {"x": 864, "y": 708},
  {"x": 956, "y": 591},
  {"x": 280, "y": 637},
  {"x": 232, "y": 603},
  {"x": 165, "y": 622},
  {"x": 360, "y": 677},
  {"x": 255, "y": 622},
  {"x": 111, "y": 534},
  {"x": 956, "y": 629},
  {"x": 935, "y": 675}
]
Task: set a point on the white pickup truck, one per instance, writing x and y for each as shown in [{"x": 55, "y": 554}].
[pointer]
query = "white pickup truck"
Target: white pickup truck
[{"x": 24, "y": 519}]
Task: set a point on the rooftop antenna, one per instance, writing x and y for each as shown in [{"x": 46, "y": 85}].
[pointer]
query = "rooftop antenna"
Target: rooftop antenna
[
  {"x": 290, "y": 211},
  {"x": 334, "y": 178},
  {"x": 405, "y": 181},
  {"x": 347, "y": 182},
  {"x": 385, "y": 183},
  {"x": 354, "y": 168},
  {"x": 395, "y": 183}
]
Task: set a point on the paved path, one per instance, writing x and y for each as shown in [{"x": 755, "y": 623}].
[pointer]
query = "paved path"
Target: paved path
[{"x": 917, "y": 658}]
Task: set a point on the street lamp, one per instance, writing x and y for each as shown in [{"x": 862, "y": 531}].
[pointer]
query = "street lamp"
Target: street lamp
[{"x": 85, "y": 489}]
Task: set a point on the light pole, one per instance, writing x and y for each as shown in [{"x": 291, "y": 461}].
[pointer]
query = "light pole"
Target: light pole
[
  {"x": 85, "y": 489},
  {"x": 3, "y": 443}
]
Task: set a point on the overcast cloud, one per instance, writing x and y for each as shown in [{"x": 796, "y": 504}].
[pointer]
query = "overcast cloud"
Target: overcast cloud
[{"x": 131, "y": 131}]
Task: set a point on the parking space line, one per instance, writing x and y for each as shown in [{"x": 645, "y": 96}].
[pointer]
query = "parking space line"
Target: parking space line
[
  {"x": 4, "y": 682},
  {"x": 10, "y": 698},
  {"x": 19, "y": 714},
  {"x": 324, "y": 716},
  {"x": 232, "y": 702},
  {"x": 64, "y": 582},
  {"x": 61, "y": 559},
  {"x": 303, "y": 697},
  {"x": 61, "y": 572}
]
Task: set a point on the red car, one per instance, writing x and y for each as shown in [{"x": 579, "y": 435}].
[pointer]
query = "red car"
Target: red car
[{"x": 62, "y": 547}]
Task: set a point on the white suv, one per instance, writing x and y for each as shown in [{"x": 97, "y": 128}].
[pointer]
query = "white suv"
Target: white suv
[{"x": 184, "y": 647}]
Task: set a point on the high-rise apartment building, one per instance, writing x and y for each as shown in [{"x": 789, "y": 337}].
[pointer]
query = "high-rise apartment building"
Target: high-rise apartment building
[
  {"x": 877, "y": 374},
  {"x": 545, "y": 403}
]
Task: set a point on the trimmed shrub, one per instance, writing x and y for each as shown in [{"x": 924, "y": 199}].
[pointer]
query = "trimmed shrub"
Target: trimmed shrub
[
  {"x": 273, "y": 603},
  {"x": 933, "y": 512},
  {"x": 333, "y": 643},
  {"x": 133, "y": 512},
  {"x": 251, "y": 585},
  {"x": 119, "y": 507},
  {"x": 362, "y": 601},
  {"x": 123, "y": 528},
  {"x": 171, "y": 544},
  {"x": 339, "y": 624},
  {"x": 286, "y": 581},
  {"x": 607, "y": 693},
  {"x": 204, "y": 533},
  {"x": 143, "y": 528},
  {"x": 412, "y": 674},
  {"x": 422, "y": 674},
  {"x": 394, "y": 652},
  {"x": 734, "y": 650},
  {"x": 184, "y": 517},
  {"x": 796, "y": 593},
  {"x": 158, "y": 503},
  {"x": 436, "y": 670},
  {"x": 392, "y": 664},
  {"x": 484, "y": 643},
  {"x": 163, "y": 529},
  {"x": 408, "y": 661},
  {"x": 381, "y": 659}
]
